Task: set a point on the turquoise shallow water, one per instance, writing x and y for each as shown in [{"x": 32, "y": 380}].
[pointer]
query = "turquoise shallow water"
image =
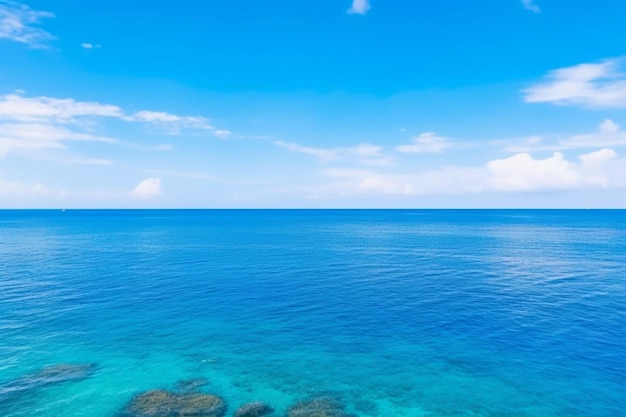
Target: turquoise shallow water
[{"x": 398, "y": 313}]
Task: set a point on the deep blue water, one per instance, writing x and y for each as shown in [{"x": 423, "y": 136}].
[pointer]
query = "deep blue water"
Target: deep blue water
[{"x": 400, "y": 313}]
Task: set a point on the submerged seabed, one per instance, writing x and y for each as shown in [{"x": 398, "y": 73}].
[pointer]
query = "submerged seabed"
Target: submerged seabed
[{"x": 397, "y": 313}]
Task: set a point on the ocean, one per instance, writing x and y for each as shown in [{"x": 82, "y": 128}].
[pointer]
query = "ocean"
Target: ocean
[{"x": 398, "y": 313}]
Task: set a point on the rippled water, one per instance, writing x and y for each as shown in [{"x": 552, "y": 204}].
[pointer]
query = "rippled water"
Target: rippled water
[{"x": 400, "y": 313}]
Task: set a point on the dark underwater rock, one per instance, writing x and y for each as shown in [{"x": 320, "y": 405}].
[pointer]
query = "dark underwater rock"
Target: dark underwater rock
[
  {"x": 161, "y": 403},
  {"x": 367, "y": 407},
  {"x": 49, "y": 375},
  {"x": 318, "y": 407},
  {"x": 191, "y": 384},
  {"x": 255, "y": 409}
]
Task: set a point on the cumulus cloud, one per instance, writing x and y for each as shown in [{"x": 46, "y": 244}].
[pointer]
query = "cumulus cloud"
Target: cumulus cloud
[
  {"x": 608, "y": 126},
  {"x": 16, "y": 191},
  {"x": 359, "y": 7},
  {"x": 595, "y": 85},
  {"x": 18, "y": 24},
  {"x": 523, "y": 173},
  {"x": 531, "y": 6},
  {"x": 598, "y": 159},
  {"x": 520, "y": 173},
  {"x": 427, "y": 142},
  {"x": 148, "y": 188}
]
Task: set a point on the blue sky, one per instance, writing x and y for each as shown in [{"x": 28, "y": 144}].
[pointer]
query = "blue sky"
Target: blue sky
[{"x": 327, "y": 103}]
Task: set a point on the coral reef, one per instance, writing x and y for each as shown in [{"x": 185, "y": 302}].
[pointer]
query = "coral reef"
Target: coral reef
[
  {"x": 161, "y": 403},
  {"x": 255, "y": 409},
  {"x": 318, "y": 407}
]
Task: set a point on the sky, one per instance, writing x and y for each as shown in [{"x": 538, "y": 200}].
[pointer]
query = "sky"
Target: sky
[{"x": 313, "y": 104}]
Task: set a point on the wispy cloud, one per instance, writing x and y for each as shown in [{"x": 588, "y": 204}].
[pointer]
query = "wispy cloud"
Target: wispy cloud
[
  {"x": 591, "y": 85},
  {"x": 20, "y": 108},
  {"x": 148, "y": 188},
  {"x": 182, "y": 174},
  {"x": 359, "y": 7},
  {"x": 531, "y": 6},
  {"x": 32, "y": 124},
  {"x": 171, "y": 124},
  {"x": 363, "y": 153},
  {"x": 428, "y": 142},
  {"x": 18, "y": 23},
  {"x": 87, "y": 45},
  {"x": 321, "y": 153},
  {"x": 609, "y": 134}
]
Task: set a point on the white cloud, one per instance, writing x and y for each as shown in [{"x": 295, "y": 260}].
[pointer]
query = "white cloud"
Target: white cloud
[
  {"x": 609, "y": 134},
  {"x": 34, "y": 125},
  {"x": 17, "y": 23},
  {"x": 171, "y": 124},
  {"x": 530, "y": 5},
  {"x": 183, "y": 174},
  {"x": 359, "y": 7},
  {"x": 150, "y": 187},
  {"x": 448, "y": 180},
  {"x": 599, "y": 85},
  {"x": 223, "y": 134},
  {"x": 427, "y": 142},
  {"x": 87, "y": 45},
  {"x": 38, "y": 136},
  {"x": 598, "y": 159},
  {"x": 363, "y": 153},
  {"x": 17, "y": 107},
  {"x": 521, "y": 172},
  {"x": 608, "y": 126},
  {"x": 15, "y": 191},
  {"x": 321, "y": 153}
]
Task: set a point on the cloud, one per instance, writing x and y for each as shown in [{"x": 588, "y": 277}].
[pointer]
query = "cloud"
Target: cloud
[
  {"x": 321, "y": 153},
  {"x": 183, "y": 174},
  {"x": 597, "y": 85},
  {"x": 609, "y": 134},
  {"x": 17, "y": 107},
  {"x": 17, "y": 23},
  {"x": 171, "y": 124},
  {"x": 447, "y": 180},
  {"x": 223, "y": 134},
  {"x": 608, "y": 127},
  {"x": 427, "y": 142},
  {"x": 148, "y": 188},
  {"x": 520, "y": 173},
  {"x": 363, "y": 153},
  {"x": 523, "y": 173},
  {"x": 598, "y": 159},
  {"x": 39, "y": 136},
  {"x": 359, "y": 7},
  {"x": 529, "y": 5},
  {"x": 87, "y": 45},
  {"x": 14, "y": 190},
  {"x": 32, "y": 125}
]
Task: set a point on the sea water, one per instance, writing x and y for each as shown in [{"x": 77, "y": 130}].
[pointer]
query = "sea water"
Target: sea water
[{"x": 400, "y": 313}]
